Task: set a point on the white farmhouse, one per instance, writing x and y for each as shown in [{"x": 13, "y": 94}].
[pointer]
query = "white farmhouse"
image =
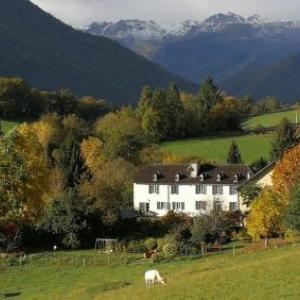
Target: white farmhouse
[{"x": 191, "y": 188}]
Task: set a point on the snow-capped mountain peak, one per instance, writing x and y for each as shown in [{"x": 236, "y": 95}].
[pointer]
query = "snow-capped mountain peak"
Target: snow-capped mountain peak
[
  {"x": 182, "y": 29},
  {"x": 256, "y": 19},
  {"x": 136, "y": 29}
]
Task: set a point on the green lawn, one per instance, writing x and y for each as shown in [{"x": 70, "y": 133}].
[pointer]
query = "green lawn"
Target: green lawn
[
  {"x": 215, "y": 149},
  {"x": 271, "y": 274},
  {"x": 270, "y": 120},
  {"x": 8, "y": 125}
]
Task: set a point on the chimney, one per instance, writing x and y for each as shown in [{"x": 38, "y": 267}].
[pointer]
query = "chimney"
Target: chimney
[{"x": 194, "y": 167}]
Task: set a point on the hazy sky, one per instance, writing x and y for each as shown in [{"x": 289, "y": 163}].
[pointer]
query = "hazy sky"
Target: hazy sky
[{"x": 83, "y": 12}]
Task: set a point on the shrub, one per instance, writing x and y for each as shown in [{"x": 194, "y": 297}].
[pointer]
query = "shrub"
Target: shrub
[
  {"x": 225, "y": 239},
  {"x": 71, "y": 241},
  {"x": 161, "y": 243},
  {"x": 207, "y": 228},
  {"x": 171, "y": 247},
  {"x": 158, "y": 257},
  {"x": 181, "y": 232},
  {"x": 136, "y": 246},
  {"x": 150, "y": 244}
]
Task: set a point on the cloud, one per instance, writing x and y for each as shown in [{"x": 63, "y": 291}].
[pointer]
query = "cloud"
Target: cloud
[{"x": 82, "y": 12}]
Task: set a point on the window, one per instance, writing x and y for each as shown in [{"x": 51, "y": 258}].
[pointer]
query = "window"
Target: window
[
  {"x": 174, "y": 189},
  {"x": 162, "y": 205},
  {"x": 178, "y": 206},
  {"x": 233, "y": 206},
  {"x": 232, "y": 190},
  {"x": 217, "y": 190},
  {"x": 153, "y": 189},
  {"x": 201, "y": 189},
  {"x": 201, "y": 205},
  {"x": 144, "y": 207}
]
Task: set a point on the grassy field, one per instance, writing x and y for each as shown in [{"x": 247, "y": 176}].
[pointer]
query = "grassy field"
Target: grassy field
[
  {"x": 215, "y": 149},
  {"x": 270, "y": 120},
  {"x": 8, "y": 125},
  {"x": 271, "y": 274}
]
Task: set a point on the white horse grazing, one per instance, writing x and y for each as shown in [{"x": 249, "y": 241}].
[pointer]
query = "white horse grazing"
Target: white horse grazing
[{"x": 152, "y": 277}]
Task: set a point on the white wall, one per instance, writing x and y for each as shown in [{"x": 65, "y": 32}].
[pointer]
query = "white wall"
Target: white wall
[{"x": 187, "y": 194}]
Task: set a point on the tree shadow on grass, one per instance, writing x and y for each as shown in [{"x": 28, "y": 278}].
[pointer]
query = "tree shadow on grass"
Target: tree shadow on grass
[{"x": 10, "y": 295}]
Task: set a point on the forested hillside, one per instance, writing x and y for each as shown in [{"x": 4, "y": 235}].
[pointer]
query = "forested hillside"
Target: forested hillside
[
  {"x": 51, "y": 55},
  {"x": 280, "y": 79}
]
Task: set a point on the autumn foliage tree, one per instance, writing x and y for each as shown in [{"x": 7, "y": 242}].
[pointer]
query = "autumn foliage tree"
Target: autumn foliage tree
[
  {"x": 286, "y": 174},
  {"x": 265, "y": 217}
]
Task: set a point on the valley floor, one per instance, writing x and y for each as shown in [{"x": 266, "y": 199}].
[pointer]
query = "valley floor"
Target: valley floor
[{"x": 271, "y": 274}]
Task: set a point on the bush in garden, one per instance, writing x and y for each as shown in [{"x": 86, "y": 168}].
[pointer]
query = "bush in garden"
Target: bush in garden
[
  {"x": 171, "y": 247},
  {"x": 181, "y": 232},
  {"x": 150, "y": 244},
  {"x": 208, "y": 228},
  {"x": 172, "y": 219},
  {"x": 161, "y": 243}
]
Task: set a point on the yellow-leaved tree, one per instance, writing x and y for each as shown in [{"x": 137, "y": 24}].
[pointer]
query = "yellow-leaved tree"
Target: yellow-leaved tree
[
  {"x": 36, "y": 181},
  {"x": 286, "y": 174},
  {"x": 265, "y": 217},
  {"x": 92, "y": 153}
]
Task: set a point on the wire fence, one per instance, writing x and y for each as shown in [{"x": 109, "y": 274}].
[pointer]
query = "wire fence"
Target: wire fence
[{"x": 94, "y": 258}]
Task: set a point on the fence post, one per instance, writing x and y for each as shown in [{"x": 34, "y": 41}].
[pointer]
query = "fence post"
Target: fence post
[
  {"x": 233, "y": 250},
  {"x": 20, "y": 263},
  {"x": 125, "y": 255}
]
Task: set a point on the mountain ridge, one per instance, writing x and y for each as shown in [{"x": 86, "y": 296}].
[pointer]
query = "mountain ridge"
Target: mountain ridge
[{"x": 50, "y": 55}]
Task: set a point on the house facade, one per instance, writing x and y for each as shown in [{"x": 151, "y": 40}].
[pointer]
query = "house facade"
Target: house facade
[{"x": 189, "y": 188}]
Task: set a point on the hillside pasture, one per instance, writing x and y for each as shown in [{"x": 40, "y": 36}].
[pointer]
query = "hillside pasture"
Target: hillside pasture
[
  {"x": 215, "y": 149},
  {"x": 270, "y": 274},
  {"x": 269, "y": 120}
]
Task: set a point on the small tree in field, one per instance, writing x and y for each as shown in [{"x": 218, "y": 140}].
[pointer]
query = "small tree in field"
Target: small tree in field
[{"x": 234, "y": 154}]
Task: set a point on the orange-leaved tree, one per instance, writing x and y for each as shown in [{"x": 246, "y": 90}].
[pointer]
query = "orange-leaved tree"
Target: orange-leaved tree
[{"x": 286, "y": 174}]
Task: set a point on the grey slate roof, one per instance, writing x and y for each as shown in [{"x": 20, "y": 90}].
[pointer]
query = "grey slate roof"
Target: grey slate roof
[{"x": 167, "y": 173}]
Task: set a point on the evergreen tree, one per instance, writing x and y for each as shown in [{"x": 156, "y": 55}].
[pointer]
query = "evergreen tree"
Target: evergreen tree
[
  {"x": 209, "y": 94},
  {"x": 175, "y": 113},
  {"x": 234, "y": 155},
  {"x": 259, "y": 164},
  {"x": 145, "y": 100},
  {"x": 286, "y": 137}
]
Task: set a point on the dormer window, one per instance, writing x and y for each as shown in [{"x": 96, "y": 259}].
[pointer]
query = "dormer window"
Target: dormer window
[
  {"x": 219, "y": 177},
  {"x": 236, "y": 178},
  {"x": 177, "y": 177},
  {"x": 202, "y": 177}
]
